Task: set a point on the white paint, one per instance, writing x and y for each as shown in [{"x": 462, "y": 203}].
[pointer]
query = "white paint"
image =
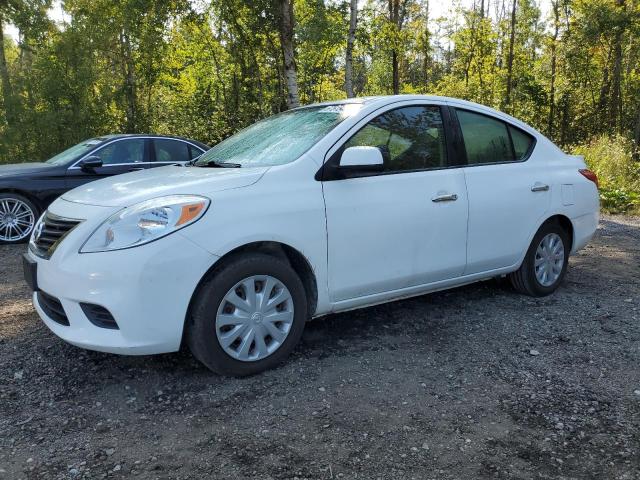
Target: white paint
[{"x": 368, "y": 240}]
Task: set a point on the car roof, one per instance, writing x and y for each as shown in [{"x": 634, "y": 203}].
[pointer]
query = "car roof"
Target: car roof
[
  {"x": 383, "y": 100},
  {"x": 115, "y": 136}
]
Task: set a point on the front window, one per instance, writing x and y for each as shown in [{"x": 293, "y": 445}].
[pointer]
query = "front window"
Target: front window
[
  {"x": 75, "y": 152},
  {"x": 279, "y": 139},
  {"x": 410, "y": 138},
  {"x": 123, "y": 152}
]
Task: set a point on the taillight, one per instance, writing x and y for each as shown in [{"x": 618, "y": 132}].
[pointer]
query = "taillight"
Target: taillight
[{"x": 589, "y": 175}]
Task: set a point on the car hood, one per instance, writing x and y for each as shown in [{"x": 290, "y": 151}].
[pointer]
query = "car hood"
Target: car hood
[
  {"x": 131, "y": 188},
  {"x": 23, "y": 168}
]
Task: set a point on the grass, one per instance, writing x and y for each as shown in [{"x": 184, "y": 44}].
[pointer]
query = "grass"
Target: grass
[{"x": 611, "y": 158}]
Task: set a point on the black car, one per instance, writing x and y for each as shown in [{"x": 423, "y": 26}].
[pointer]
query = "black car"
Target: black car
[{"x": 26, "y": 189}]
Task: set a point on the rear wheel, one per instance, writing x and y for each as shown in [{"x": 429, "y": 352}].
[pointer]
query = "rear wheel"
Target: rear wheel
[
  {"x": 18, "y": 216},
  {"x": 248, "y": 316},
  {"x": 545, "y": 263}
]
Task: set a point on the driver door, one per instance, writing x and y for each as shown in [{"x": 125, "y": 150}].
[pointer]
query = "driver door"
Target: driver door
[
  {"x": 120, "y": 156},
  {"x": 404, "y": 226}
]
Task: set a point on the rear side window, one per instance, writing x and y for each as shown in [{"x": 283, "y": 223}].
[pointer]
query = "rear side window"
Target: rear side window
[
  {"x": 485, "y": 139},
  {"x": 194, "y": 152},
  {"x": 410, "y": 138},
  {"x": 489, "y": 140},
  {"x": 522, "y": 142},
  {"x": 168, "y": 150}
]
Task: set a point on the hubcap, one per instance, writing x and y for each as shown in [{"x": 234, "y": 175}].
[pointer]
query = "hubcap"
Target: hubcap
[
  {"x": 549, "y": 259},
  {"x": 16, "y": 220},
  {"x": 254, "y": 318}
]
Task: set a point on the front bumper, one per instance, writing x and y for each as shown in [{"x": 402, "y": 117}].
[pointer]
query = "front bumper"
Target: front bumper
[{"x": 147, "y": 289}]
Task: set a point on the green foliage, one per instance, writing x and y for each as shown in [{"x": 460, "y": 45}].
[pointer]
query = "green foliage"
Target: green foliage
[
  {"x": 207, "y": 68},
  {"x": 610, "y": 157}
]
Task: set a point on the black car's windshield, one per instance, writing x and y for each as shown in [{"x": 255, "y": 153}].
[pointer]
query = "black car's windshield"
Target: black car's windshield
[
  {"x": 279, "y": 139},
  {"x": 74, "y": 152}
]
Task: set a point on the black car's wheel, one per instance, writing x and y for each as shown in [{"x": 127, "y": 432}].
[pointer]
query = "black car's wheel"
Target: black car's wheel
[
  {"x": 18, "y": 216},
  {"x": 545, "y": 263},
  {"x": 248, "y": 316}
]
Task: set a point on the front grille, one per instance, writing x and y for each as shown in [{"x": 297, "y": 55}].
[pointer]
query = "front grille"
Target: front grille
[
  {"x": 99, "y": 316},
  {"x": 49, "y": 232},
  {"x": 52, "y": 308}
]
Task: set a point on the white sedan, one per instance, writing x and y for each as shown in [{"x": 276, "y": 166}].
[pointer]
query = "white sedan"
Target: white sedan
[{"x": 320, "y": 209}]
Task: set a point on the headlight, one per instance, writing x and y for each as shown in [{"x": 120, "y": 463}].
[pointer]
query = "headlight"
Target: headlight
[{"x": 145, "y": 222}]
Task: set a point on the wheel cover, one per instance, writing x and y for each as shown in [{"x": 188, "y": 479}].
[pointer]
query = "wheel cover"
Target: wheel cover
[
  {"x": 16, "y": 220},
  {"x": 254, "y": 318},
  {"x": 549, "y": 259}
]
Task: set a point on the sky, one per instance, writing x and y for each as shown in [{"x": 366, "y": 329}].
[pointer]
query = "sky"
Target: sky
[{"x": 437, "y": 8}]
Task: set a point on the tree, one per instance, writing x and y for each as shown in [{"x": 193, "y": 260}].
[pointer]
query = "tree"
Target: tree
[
  {"x": 287, "y": 23},
  {"x": 351, "y": 38},
  {"x": 205, "y": 70},
  {"x": 512, "y": 41},
  {"x": 7, "y": 90}
]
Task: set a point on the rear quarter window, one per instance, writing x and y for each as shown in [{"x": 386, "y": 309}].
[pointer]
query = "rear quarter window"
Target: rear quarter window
[{"x": 522, "y": 142}]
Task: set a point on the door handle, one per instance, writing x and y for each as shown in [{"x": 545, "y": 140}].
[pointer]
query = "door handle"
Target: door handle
[
  {"x": 447, "y": 197},
  {"x": 540, "y": 187}
]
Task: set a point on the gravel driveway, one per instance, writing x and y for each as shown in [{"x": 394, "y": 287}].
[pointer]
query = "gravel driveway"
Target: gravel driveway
[{"x": 474, "y": 383}]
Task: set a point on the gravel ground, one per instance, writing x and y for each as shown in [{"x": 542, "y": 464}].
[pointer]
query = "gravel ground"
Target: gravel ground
[{"x": 473, "y": 383}]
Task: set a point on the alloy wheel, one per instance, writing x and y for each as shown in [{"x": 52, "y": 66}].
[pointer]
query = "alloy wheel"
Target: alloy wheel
[{"x": 16, "y": 220}]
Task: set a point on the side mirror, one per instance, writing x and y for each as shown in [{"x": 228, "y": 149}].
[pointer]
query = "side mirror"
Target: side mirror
[
  {"x": 362, "y": 158},
  {"x": 89, "y": 164}
]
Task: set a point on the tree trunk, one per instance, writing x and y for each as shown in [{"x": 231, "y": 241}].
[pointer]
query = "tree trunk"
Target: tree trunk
[
  {"x": 129, "y": 83},
  {"x": 552, "y": 90},
  {"x": 396, "y": 72},
  {"x": 427, "y": 46},
  {"x": 636, "y": 137},
  {"x": 7, "y": 90},
  {"x": 396, "y": 18},
  {"x": 564, "y": 123},
  {"x": 512, "y": 41},
  {"x": 287, "y": 22},
  {"x": 351, "y": 38},
  {"x": 615, "y": 104}
]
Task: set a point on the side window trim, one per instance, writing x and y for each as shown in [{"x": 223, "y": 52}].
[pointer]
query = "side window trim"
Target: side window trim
[
  {"x": 330, "y": 172},
  {"x": 148, "y": 157},
  {"x": 151, "y": 150},
  {"x": 463, "y": 149}
]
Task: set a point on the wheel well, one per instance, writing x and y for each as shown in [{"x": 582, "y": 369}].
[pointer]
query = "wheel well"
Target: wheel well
[
  {"x": 28, "y": 196},
  {"x": 565, "y": 224},
  {"x": 285, "y": 252}
]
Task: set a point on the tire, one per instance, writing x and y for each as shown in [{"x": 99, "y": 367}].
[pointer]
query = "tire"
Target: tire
[
  {"x": 525, "y": 280},
  {"x": 15, "y": 210},
  {"x": 211, "y": 308}
]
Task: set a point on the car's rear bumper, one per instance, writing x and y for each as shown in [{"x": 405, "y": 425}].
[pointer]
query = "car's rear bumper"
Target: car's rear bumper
[{"x": 584, "y": 227}]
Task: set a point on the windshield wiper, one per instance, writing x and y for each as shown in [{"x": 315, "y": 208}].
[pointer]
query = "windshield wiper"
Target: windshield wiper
[
  {"x": 216, "y": 164},
  {"x": 192, "y": 161}
]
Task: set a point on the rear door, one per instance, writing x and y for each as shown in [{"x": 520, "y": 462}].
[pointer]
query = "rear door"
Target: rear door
[
  {"x": 508, "y": 187},
  {"x": 404, "y": 226},
  {"x": 119, "y": 156}
]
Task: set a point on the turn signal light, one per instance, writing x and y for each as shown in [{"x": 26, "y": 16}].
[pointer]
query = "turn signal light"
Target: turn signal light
[{"x": 189, "y": 212}]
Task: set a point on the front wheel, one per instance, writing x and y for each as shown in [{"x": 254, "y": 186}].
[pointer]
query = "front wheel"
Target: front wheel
[
  {"x": 545, "y": 264},
  {"x": 248, "y": 316},
  {"x": 18, "y": 216}
]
